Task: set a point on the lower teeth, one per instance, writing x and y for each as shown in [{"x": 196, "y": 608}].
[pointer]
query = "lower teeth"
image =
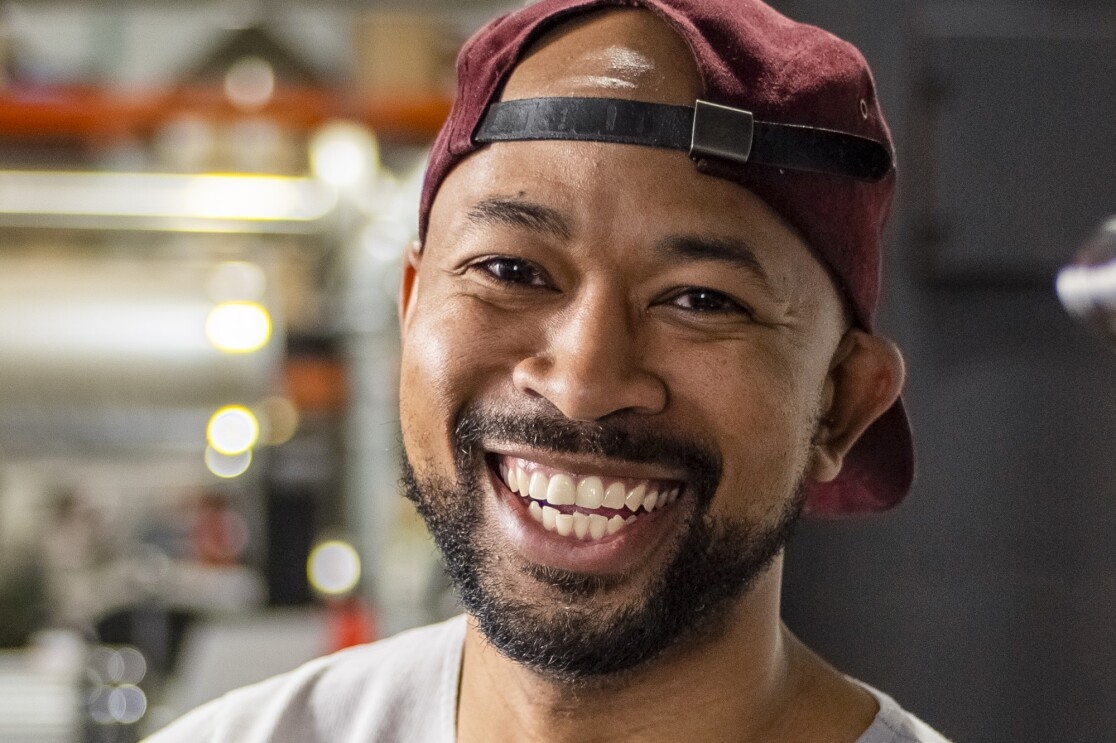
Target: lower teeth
[{"x": 588, "y": 527}]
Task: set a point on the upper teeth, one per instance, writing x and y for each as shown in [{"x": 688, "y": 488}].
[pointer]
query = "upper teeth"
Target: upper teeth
[{"x": 561, "y": 489}]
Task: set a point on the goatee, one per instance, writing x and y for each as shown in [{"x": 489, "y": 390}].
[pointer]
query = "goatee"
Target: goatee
[{"x": 573, "y": 639}]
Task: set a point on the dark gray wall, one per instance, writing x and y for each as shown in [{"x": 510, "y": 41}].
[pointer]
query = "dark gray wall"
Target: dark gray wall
[{"x": 987, "y": 602}]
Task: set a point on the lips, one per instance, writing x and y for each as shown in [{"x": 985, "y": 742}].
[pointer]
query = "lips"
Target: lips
[{"x": 584, "y": 507}]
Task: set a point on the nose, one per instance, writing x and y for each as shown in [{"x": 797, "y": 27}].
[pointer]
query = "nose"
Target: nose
[{"x": 590, "y": 362}]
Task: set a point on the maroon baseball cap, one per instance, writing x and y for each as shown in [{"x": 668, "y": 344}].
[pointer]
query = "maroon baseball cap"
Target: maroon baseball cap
[{"x": 789, "y": 111}]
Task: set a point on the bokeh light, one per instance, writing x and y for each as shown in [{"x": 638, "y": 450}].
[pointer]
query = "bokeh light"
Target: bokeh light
[
  {"x": 232, "y": 430},
  {"x": 281, "y": 417},
  {"x": 333, "y": 568},
  {"x": 250, "y": 83},
  {"x": 227, "y": 466},
  {"x": 344, "y": 154},
  {"x": 123, "y": 665},
  {"x": 238, "y": 327},
  {"x": 115, "y": 698},
  {"x": 122, "y": 705}
]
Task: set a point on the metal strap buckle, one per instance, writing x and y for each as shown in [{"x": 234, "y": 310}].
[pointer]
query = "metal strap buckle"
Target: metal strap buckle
[{"x": 721, "y": 131}]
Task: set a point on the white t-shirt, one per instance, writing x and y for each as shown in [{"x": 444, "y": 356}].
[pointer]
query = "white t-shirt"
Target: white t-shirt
[{"x": 400, "y": 689}]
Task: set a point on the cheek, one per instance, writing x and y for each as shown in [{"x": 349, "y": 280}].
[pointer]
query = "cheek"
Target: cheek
[
  {"x": 424, "y": 407},
  {"x": 760, "y": 412},
  {"x": 446, "y": 363},
  {"x": 425, "y": 400}
]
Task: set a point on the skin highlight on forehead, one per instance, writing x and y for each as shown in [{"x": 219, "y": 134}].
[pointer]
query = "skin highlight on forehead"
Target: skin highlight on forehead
[
  {"x": 622, "y": 53},
  {"x": 627, "y": 69}
]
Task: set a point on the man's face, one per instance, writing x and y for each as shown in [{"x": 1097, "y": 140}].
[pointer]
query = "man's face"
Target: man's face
[
  {"x": 587, "y": 325},
  {"x": 605, "y": 318}
]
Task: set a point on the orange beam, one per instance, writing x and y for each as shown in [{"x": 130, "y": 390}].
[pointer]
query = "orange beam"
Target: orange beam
[{"x": 95, "y": 114}]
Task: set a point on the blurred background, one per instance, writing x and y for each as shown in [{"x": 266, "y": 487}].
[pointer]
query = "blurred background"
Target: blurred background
[{"x": 202, "y": 208}]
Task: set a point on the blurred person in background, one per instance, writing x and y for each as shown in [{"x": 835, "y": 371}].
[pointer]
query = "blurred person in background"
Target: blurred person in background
[
  {"x": 219, "y": 534},
  {"x": 78, "y": 556},
  {"x": 637, "y": 346}
]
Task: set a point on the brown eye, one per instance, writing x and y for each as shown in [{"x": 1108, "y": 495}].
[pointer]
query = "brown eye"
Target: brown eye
[
  {"x": 512, "y": 271},
  {"x": 707, "y": 300}
]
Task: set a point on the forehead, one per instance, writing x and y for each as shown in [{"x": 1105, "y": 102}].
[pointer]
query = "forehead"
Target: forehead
[
  {"x": 620, "y": 194},
  {"x": 619, "y": 53},
  {"x": 626, "y": 187}
]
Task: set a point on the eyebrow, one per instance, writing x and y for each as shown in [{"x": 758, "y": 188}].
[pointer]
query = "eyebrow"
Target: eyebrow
[
  {"x": 734, "y": 252},
  {"x": 529, "y": 215},
  {"x": 514, "y": 212}
]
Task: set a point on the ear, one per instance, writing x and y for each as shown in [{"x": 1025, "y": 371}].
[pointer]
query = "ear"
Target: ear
[
  {"x": 864, "y": 380},
  {"x": 409, "y": 284}
]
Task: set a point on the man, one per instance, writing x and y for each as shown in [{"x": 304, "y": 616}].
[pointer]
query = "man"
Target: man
[{"x": 636, "y": 345}]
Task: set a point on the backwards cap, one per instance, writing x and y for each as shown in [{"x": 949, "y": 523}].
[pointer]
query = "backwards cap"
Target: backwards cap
[{"x": 789, "y": 111}]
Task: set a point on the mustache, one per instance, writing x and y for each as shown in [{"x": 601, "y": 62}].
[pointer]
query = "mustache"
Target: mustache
[{"x": 621, "y": 437}]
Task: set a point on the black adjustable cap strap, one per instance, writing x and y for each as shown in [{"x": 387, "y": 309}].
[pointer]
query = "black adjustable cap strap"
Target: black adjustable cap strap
[{"x": 705, "y": 130}]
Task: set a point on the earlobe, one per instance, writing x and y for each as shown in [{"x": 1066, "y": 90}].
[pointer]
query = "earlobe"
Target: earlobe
[
  {"x": 409, "y": 283},
  {"x": 865, "y": 379}
]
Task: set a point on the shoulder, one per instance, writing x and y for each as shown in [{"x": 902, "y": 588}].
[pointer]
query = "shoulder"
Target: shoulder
[
  {"x": 370, "y": 692},
  {"x": 893, "y": 724}
]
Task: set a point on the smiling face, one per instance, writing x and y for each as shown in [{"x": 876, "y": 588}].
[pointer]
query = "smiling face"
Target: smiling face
[{"x": 613, "y": 375}]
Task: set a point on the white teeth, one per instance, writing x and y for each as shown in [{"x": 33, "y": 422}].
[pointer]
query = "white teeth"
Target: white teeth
[
  {"x": 583, "y": 526},
  {"x": 560, "y": 491},
  {"x": 614, "y": 496},
  {"x": 537, "y": 486},
  {"x": 580, "y": 524},
  {"x": 590, "y": 492},
  {"x": 591, "y": 526},
  {"x": 635, "y": 498}
]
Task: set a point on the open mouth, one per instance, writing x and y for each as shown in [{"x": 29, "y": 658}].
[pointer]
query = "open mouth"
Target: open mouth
[{"x": 589, "y": 507}]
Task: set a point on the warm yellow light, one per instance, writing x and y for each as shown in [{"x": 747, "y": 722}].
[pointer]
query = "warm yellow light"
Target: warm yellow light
[
  {"x": 333, "y": 568},
  {"x": 344, "y": 154},
  {"x": 166, "y": 197},
  {"x": 238, "y": 327},
  {"x": 232, "y": 430},
  {"x": 241, "y": 197}
]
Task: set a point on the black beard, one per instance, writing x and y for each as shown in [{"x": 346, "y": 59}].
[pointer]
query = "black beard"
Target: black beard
[{"x": 572, "y": 640}]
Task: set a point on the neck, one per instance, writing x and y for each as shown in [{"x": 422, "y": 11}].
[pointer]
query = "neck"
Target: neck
[{"x": 734, "y": 685}]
